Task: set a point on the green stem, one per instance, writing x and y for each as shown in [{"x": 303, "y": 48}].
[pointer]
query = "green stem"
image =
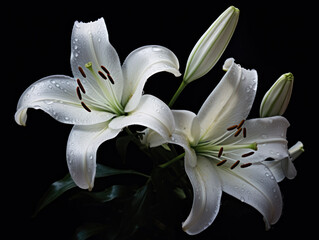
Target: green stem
[
  {"x": 178, "y": 92},
  {"x": 164, "y": 165}
]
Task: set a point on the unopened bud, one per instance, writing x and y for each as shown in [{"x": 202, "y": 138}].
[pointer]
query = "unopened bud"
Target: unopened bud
[
  {"x": 211, "y": 45},
  {"x": 276, "y": 100}
]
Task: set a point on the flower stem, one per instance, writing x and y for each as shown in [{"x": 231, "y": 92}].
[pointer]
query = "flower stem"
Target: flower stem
[
  {"x": 178, "y": 92},
  {"x": 164, "y": 165}
]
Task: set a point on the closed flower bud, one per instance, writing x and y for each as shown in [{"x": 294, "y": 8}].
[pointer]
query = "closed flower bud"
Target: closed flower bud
[
  {"x": 211, "y": 45},
  {"x": 276, "y": 100}
]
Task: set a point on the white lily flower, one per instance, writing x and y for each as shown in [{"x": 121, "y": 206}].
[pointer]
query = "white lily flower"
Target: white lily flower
[
  {"x": 211, "y": 45},
  {"x": 223, "y": 152},
  {"x": 102, "y": 98},
  {"x": 276, "y": 100}
]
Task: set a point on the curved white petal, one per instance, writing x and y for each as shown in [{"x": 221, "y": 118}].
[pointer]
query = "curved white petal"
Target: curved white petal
[
  {"x": 81, "y": 151},
  {"x": 229, "y": 103},
  {"x": 90, "y": 43},
  {"x": 187, "y": 123},
  {"x": 56, "y": 95},
  {"x": 207, "y": 195},
  {"x": 255, "y": 186},
  {"x": 140, "y": 65},
  {"x": 270, "y": 136},
  {"x": 152, "y": 113}
]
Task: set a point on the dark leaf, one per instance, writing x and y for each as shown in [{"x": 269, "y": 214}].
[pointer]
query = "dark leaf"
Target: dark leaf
[{"x": 65, "y": 184}]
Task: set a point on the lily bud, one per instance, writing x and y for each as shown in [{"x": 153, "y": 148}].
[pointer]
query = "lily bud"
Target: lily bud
[
  {"x": 276, "y": 100},
  {"x": 211, "y": 45}
]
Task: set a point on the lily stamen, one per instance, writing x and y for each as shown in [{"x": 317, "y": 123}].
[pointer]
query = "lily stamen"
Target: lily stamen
[
  {"x": 247, "y": 154},
  {"x": 245, "y": 165},
  {"x": 102, "y": 75},
  {"x": 234, "y": 165},
  {"x": 231, "y": 127},
  {"x": 80, "y": 85},
  {"x": 221, "y": 162},
  {"x": 85, "y": 107},
  {"x": 78, "y": 92},
  {"x": 244, "y": 132},
  {"x": 241, "y": 124},
  {"x": 220, "y": 152},
  {"x": 108, "y": 74},
  {"x": 82, "y": 72},
  {"x": 238, "y": 132}
]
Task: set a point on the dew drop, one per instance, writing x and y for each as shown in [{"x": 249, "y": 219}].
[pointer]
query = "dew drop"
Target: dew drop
[{"x": 156, "y": 49}]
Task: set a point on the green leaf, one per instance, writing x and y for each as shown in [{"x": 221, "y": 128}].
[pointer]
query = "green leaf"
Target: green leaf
[
  {"x": 88, "y": 230},
  {"x": 54, "y": 191},
  {"x": 107, "y": 195},
  {"x": 65, "y": 184}
]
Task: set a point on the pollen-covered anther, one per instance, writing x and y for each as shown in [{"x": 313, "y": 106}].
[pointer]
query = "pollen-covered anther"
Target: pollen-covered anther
[
  {"x": 107, "y": 73},
  {"x": 221, "y": 162},
  {"x": 231, "y": 127},
  {"x": 234, "y": 165},
  {"x": 102, "y": 75},
  {"x": 244, "y": 132},
  {"x": 240, "y": 124},
  {"x": 85, "y": 107},
  {"x": 247, "y": 154},
  {"x": 246, "y": 165},
  {"x": 82, "y": 72},
  {"x": 238, "y": 132},
  {"x": 220, "y": 152},
  {"x": 80, "y": 85},
  {"x": 78, "y": 92}
]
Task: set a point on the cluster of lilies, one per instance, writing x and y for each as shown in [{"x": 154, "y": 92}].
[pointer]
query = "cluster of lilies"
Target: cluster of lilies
[{"x": 224, "y": 151}]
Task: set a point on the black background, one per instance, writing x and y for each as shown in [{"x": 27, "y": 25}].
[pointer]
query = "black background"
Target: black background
[{"x": 271, "y": 37}]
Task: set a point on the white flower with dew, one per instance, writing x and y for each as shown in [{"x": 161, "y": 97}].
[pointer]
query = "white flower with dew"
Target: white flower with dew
[
  {"x": 102, "y": 98},
  {"x": 225, "y": 152}
]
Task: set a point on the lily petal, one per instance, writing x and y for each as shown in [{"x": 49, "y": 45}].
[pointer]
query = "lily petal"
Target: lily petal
[
  {"x": 152, "y": 113},
  {"x": 230, "y": 102},
  {"x": 270, "y": 136},
  {"x": 187, "y": 124},
  {"x": 140, "y": 65},
  {"x": 255, "y": 186},
  {"x": 81, "y": 150},
  {"x": 207, "y": 195},
  {"x": 90, "y": 43},
  {"x": 56, "y": 95}
]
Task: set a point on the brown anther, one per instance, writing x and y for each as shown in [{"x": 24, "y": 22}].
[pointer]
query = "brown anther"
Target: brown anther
[
  {"x": 238, "y": 132},
  {"x": 80, "y": 85},
  {"x": 78, "y": 92},
  {"x": 241, "y": 124},
  {"x": 234, "y": 165},
  {"x": 244, "y": 132},
  {"x": 82, "y": 72},
  {"x": 102, "y": 75},
  {"x": 245, "y": 165},
  {"x": 105, "y": 70},
  {"x": 111, "y": 79},
  {"x": 107, "y": 73},
  {"x": 221, "y": 162},
  {"x": 220, "y": 152},
  {"x": 247, "y": 154},
  {"x": 85, "y": 107},
  {"x": 231, "y": 127}
]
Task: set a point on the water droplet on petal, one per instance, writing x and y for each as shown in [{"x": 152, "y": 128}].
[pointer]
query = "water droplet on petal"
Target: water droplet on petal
[{"x": 156, "y": 49}]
